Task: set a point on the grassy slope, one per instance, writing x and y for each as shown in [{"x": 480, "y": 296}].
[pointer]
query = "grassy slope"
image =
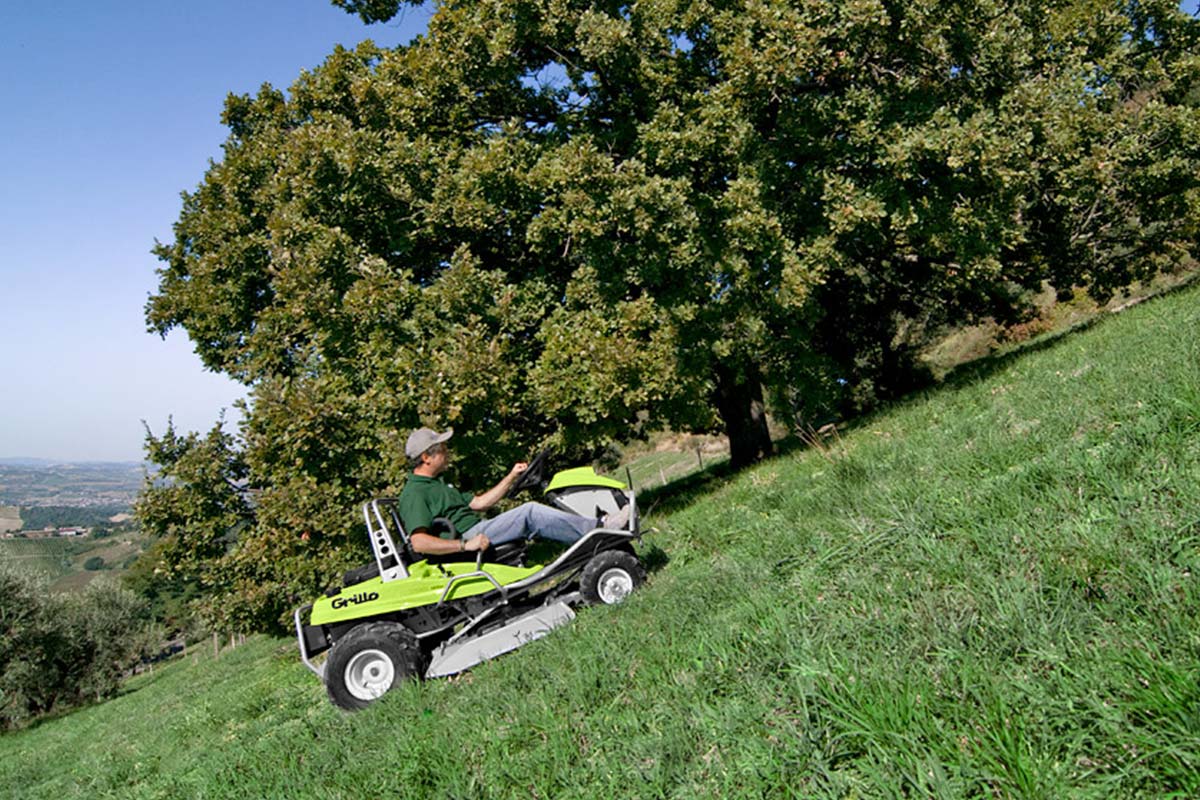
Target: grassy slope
[
  {"x": 988, "y": 591},
  {"x": 51, "y": 557},
  {"x": 650, "y": 470},
  {"x": 62, "y": 559}
]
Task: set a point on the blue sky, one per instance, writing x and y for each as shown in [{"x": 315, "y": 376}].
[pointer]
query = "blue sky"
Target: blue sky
[{"x": 110, "y": 110}]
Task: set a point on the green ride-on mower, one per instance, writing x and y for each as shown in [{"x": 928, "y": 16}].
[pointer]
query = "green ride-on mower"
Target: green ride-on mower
[{"x": 406, "y": 616}]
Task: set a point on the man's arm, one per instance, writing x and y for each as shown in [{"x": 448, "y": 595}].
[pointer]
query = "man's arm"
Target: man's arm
[
  {"x": 482, "y": 502},
  {"x": 416, "y": 517},
  {"x": 425, "y": 543}
]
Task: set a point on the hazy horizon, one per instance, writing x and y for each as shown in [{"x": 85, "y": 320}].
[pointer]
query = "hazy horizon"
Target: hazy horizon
[{"x": 23, "y": 461}]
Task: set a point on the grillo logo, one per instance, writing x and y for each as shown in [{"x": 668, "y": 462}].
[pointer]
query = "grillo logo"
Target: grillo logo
[{"x": 364, "y": 597}]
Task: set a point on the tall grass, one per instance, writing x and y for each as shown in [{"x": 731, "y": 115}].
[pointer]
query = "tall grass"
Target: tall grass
[{"x": 987, "y": 591}]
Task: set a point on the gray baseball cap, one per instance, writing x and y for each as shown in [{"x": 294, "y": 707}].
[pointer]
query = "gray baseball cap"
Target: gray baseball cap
[{"x": 422, "y": 439}]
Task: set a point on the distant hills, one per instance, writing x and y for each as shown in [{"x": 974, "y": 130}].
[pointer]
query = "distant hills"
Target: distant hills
[
  {"x": 46, "y": 462},
  {"x": 31, "y": 482},
  {"x": 25, "y": 462}
]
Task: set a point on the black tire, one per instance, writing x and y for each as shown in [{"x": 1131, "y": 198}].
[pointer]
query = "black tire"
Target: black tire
[
  {"x": 368, "y": 661},
  {"x": 610, "y": 576}
]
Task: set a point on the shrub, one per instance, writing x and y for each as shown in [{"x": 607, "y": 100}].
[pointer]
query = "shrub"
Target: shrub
[
  {"x": 94, "y": 563},
  {"x": 58, "y": 651}
]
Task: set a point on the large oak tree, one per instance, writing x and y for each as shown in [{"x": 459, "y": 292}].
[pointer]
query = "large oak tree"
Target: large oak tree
[{"x": 558, "y": 221}]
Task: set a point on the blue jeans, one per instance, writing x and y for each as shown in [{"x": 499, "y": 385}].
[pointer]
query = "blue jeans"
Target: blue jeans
[{"x": 530, "y": 520}]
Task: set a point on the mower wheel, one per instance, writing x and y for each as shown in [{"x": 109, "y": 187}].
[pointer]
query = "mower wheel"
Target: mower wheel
[
  {"x": 610, "y": 576},
  {"x": 368, "y": 661}
]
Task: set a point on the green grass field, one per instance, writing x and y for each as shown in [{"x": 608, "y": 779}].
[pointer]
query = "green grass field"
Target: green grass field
[
  {"x": 62, "y": 559},
  {"x": 51, "y": 557},
  {"x": 987, "y": 591}
]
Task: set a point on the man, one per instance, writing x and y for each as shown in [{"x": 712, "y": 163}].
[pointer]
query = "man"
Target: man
[{"x": 426, "y": 496}]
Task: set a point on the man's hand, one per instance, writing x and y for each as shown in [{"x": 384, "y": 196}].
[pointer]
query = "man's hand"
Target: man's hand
[
  {"x": 482, "y": 502},
  {"x": 475, "y": 543}
]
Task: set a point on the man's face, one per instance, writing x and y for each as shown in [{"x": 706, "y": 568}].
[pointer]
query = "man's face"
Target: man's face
[{"x": 437, "y": 458}]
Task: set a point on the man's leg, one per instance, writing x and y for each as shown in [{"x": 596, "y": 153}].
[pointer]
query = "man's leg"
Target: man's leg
[{"x": 533, "y": 519}]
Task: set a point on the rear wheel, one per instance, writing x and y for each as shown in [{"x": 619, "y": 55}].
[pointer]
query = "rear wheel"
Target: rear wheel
[
  {"x": 610, "y": 577},
  {"x": 368, "y": 661}
]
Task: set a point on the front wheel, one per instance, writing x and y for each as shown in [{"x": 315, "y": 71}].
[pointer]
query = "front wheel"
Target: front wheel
[
  {"x": 610, "y": 577},
  {"x": 368, "y": 661}
]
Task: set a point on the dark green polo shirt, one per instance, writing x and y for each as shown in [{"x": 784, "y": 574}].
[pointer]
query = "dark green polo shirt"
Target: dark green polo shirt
[{"x": 424, "y": 498}]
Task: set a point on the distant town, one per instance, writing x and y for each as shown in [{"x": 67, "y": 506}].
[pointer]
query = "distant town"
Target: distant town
[
  {"x": 46, "y": 533},
  {"x": 44, "y": 500},
  {"x": 69, "y": 484}
]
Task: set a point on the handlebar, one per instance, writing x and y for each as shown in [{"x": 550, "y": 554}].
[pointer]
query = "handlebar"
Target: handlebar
[{"x": 532, "y": 476}]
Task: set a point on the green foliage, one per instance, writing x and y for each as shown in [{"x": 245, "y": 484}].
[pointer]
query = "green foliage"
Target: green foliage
[
  {"x": 560, "y": 223},
  {"x": 58, "y": 651},
  {"x": 171, "y": 598},
  {"x": 198, "y": 510},
  {"x": 988, "y": 591},
  {"x": 94, "y": 563},
  {"x": 371, "y": 10}
]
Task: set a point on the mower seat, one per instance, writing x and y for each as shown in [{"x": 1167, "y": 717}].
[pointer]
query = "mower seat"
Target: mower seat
[{"x": 360, "y": 574}]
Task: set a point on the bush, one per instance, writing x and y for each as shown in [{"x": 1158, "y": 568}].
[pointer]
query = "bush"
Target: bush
[
  {"x": 171, "y": 597},
  {"x": 94, "y": 563},
  {"x": 58, "y": 651}
]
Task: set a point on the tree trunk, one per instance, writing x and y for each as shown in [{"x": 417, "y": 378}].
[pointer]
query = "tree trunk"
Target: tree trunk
[{"x": 739, "y": 401}]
